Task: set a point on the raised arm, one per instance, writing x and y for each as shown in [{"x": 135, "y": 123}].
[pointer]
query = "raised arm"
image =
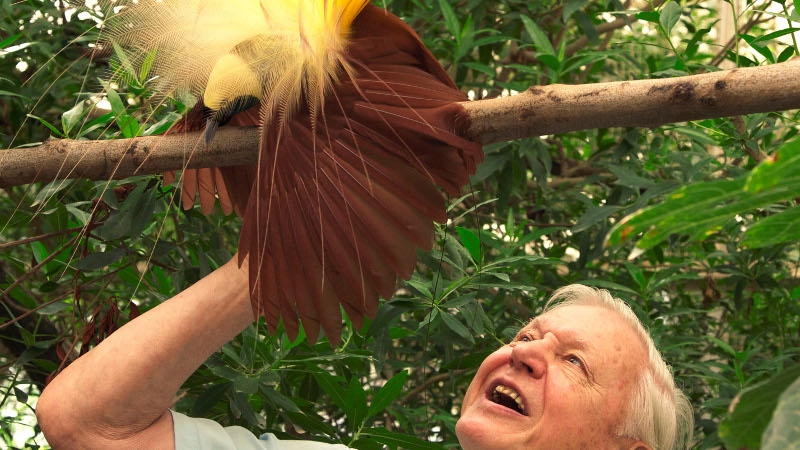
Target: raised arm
[{"x": 117, "y": 394}]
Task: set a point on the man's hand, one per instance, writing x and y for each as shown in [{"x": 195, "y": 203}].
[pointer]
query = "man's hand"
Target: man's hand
[{"x": 117, "y": 395}]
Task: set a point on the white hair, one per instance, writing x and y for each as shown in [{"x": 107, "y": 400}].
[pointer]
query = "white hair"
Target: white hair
[{"x": 658, "y": 413}]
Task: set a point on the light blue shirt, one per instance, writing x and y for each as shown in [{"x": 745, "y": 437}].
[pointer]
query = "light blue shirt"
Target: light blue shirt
[{"x": 205, "y": 434}]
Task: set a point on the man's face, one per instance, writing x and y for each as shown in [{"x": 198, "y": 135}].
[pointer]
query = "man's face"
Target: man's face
[{"x": 563, "y": 383}]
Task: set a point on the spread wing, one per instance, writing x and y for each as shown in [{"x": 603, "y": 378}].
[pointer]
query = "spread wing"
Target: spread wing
[{"x": 338, "y": 205}]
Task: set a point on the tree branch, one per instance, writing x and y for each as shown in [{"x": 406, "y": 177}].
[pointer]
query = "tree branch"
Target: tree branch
[
  {"x": 541, "y": 110},
  {"x": 552, "y": 109}
]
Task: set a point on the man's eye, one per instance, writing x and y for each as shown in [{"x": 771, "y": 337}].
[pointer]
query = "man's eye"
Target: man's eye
[
  {"x": 572, "y": 359},
  {"x": 525, "y": 339}
]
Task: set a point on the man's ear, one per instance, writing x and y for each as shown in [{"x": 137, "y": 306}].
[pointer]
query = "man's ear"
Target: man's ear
[{"x": 640, "y": 446}]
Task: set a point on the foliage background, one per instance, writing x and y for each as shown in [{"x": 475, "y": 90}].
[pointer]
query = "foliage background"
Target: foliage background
[{"x": 537, "y": 215}]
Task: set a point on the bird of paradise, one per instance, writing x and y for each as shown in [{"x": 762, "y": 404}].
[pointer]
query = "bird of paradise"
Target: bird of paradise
[{"x": 359, "y": 125}]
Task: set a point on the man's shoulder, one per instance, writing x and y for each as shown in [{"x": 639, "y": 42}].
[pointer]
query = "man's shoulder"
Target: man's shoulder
[{"x": 204, "y": 434}]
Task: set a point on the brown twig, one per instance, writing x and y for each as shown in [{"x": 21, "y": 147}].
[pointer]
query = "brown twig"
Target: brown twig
[
  {"x": 36, "y": 268},
  {"x": 59, "y": 298},
  {"x": 40, "y": 237}
]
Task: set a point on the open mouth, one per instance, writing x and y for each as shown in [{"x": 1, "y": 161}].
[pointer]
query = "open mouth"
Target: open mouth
[{"x": 508, "y": 397}]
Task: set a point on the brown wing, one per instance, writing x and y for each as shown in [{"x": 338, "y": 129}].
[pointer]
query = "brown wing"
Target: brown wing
[
  {"x": 340, "y": 209},
  {"x": 229, "y": 185}
]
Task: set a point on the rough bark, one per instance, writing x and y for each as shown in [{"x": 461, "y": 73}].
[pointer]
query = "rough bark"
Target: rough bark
[{"x": 541, "y": 110}]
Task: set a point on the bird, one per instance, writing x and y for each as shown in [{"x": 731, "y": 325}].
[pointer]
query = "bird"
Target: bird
[{"x": 361, "y": 135}]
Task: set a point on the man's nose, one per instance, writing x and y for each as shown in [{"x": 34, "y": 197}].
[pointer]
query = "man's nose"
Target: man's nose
[{"x": 533, "y": 356}]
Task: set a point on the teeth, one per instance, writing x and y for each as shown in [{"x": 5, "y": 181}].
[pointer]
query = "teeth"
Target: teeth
[{"x": 507, "y": 391}]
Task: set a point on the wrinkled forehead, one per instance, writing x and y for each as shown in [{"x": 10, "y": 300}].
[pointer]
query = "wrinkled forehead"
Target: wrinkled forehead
[{"x": 595, "y": 329}]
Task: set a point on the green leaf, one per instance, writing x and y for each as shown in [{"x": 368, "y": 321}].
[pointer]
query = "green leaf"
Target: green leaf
[
  {"x": 777, "y": 229},
  {"x": 752, "y": 408},
  {"x": 387, "y": 393},
  {"x": 224, "y": 371},
  {"x": 669, "y": 16},
  {"x": 570, "y": 7},
  {"x": 488, "y": 40},
  {"x": 48, "y": 125},
  {"x": 587, "y": 26},
  {"x": 117, "y": 106},
  {"x": 483, "y": 68},
  {"x": 101, "y": 122},
  {"x": 783, "y": 432},
  {"x": 82, "y": 216},
  {"x": 311, "y": 423},
  {"x": 283, "y": 402},
  {"x": 774, "y": 35},
  {"x": 366, "y": 443},
  {"x": 53, "y": 308},
  {"x": 594, "y": 215},
  {"x": 147, "y": 64},
  {"x": 20, "y": 395},
  {"x": 462, "y": 300},
  {"x": 450, "y": 19},
  {"x": 763, "y": 50},
  {"x": 649, "y": 16},
  {"x": 27, "y": 337},
  {"x": 526, "y": 259},
  {"x": 786, "y": 54},
  {"x": 49, "y": 191},
  {"x": 231, "y": 353},
  {"x": 11, "y": 94},
  {"x": 10, "y": 40},
  {"x": 723, "y": 345},
  {"x": 696, "y": 210},
  {"x": 95, "y": 261},
  {"x": 493, "y": 163},
  {"x": 240, "y": 407},
  {"x": 778, "y": 171},
  {"x": 399, "y": 440},
  {"x": 455, "y": 325},
  {"x": 540, "y": 40},
  {"x": 208, "y": 398},
  {"x": 40, "y": 253},
  {"x": 128, "y": 125},
  {"x": 637, "y": 275},
  {"x": 245, "y": 384},
  {"x": 472, "y": 243},
  {"x": 707, "y": 204},
  {"x": 355, "y": 403},
  {"x": 70, "y": 118},
  {"x": 550, "y": 61},
  {"x": 627, "y": 177},
  {"x": 331, "y": 386},
  {"x": 421, "y": 285}
]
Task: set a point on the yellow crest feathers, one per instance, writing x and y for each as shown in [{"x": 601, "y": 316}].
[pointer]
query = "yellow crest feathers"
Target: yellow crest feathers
[{"x": 275, "y": 50}]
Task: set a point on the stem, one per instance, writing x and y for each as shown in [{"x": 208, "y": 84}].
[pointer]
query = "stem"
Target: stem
[
  {"x": 736, "y": 27},
  {"x": 794, "y": 39}
]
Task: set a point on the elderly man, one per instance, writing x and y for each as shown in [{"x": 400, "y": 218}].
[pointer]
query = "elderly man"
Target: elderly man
[{"x": 583, "y": 375}]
